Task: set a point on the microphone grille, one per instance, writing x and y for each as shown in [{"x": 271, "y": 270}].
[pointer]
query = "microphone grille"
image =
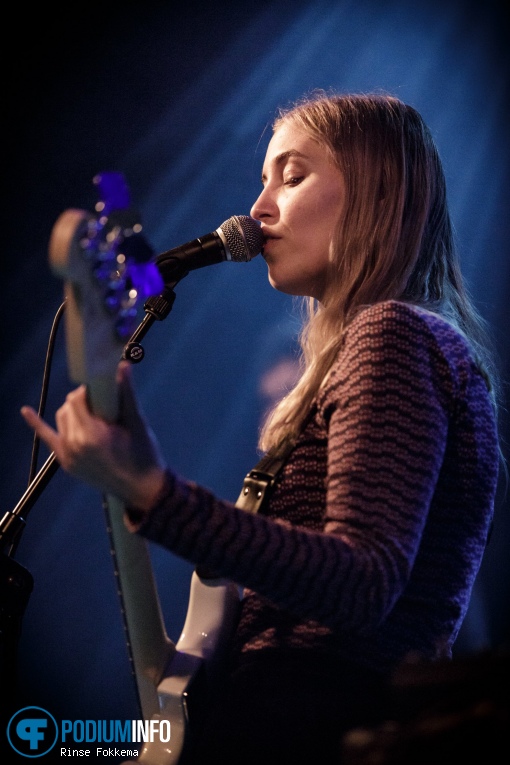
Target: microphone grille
[{"x": 243, "y": 236}]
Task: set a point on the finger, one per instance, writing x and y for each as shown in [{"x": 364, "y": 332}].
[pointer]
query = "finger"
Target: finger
[
  {"x": 45, "y": 432},
  {"x": 125, "y": 382},
  {"x": 77, "y": 405},
  {"x": 74, "y": 418}
]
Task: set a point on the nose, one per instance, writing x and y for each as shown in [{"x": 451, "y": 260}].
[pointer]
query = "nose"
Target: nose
[{"x": 264, "y": 206}]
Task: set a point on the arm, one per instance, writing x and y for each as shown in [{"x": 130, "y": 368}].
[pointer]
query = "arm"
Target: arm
[{"x": 387, "y": 435}]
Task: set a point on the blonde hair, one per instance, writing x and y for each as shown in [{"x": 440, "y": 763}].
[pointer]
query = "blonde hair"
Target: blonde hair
[{"x": 395, "y": 239}]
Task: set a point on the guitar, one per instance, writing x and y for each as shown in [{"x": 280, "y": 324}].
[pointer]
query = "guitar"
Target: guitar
[{"x": 103, "y": 285}]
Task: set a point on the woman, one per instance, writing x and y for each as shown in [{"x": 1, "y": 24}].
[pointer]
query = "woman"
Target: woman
[{"x": 372, "y": 537}]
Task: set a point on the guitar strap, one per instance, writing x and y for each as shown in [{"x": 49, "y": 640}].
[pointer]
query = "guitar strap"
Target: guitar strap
[
  {"x": 257, "y": 487},
  {"x": 261, "y": 480}
]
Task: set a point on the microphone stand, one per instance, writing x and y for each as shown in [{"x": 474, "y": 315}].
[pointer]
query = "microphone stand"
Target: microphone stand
[{"x": 16, "y": 582}]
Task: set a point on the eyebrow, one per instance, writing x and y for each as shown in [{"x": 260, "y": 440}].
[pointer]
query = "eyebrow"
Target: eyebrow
[{"x": 284, "y": 156}]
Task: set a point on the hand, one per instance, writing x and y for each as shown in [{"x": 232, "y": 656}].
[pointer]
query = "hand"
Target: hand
[{"x": 121, "y": 458}]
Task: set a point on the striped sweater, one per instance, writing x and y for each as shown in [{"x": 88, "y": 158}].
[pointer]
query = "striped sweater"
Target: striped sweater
[{"x": 373, "y": 536}]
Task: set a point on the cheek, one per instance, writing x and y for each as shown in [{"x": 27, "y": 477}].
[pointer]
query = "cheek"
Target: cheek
[
  {"x": 332, "y": 204},
  {"x": 325, "y": 211}
]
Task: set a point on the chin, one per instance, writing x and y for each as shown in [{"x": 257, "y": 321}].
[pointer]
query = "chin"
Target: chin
[
  {"x": 289, "y": 287},
  {"x": 279, "y": 285}
]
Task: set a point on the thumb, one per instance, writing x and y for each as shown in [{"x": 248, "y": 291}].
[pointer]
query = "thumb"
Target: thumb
[
  {"x": 146, "y": 448},
  {"x": 130, "y": 414}
]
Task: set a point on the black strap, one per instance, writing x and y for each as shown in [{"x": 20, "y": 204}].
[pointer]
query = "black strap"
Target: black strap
[
  {"x": 259, "y": 482},
  {"x": 256, "y": 489}
]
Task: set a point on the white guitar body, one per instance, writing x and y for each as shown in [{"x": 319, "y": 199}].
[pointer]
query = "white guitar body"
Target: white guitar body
[
  {"x": 211, "y": 616},
  {"x": 163, "y": 670}
]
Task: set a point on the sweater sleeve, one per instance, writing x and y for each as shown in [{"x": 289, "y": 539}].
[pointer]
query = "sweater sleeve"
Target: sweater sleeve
[
  {"x": 387, "y": 404},
  {"x": 386, "y": 418}
]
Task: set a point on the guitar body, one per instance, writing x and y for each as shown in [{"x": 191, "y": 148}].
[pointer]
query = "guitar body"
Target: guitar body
[
  {"x": 213, "y": 610},
  {"x": 88, "y": 255}
]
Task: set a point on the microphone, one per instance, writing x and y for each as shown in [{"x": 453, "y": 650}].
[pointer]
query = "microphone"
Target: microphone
[{"x": 238, "y": 239}]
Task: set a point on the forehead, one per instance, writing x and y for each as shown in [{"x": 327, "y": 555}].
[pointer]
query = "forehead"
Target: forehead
[{"x": 289, "y": 141}]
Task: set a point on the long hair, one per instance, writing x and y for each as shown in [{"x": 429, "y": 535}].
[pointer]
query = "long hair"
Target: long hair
[{"x": 394, "y": 241}]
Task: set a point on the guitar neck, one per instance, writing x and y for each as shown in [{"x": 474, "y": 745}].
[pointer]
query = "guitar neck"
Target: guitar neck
[
  {"x": 79, "y": 253},
  {"x": 89, "y": 255},
  {"x": 149, "y": 647}
]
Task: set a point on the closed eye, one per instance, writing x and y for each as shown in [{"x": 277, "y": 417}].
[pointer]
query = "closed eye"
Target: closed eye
[{"x": 294, "y": 181}]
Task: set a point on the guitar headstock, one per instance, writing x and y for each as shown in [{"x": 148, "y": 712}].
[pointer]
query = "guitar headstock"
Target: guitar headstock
[{"x": 108, "y": 274}]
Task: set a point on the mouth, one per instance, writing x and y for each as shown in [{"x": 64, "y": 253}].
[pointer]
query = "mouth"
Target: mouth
[
  {"x": 265, "y": 246},
  {"x": 268, "y": 238}
]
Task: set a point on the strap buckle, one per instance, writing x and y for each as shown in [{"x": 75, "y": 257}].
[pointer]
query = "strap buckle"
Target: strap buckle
[{"x": 255, "y": 488}]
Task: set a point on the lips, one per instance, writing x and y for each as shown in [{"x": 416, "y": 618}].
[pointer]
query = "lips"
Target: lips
[
  {"x": 269, "y": 238},
  {"x": 267, "y": 244}
]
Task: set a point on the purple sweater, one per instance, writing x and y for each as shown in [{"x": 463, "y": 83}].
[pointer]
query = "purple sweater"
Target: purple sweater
[{"x": 372, "y": 539}]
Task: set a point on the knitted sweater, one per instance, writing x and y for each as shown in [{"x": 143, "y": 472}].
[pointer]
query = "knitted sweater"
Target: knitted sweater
[{"x": 373, "y": 536}]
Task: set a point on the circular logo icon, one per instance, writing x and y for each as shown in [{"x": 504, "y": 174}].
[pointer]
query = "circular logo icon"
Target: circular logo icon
[{"x": 32, "y": 732}]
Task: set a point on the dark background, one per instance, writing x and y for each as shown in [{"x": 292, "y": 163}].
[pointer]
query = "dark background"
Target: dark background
[{"x": 179, "y": 99}]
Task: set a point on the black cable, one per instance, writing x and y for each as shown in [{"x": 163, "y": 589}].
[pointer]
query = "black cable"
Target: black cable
[{"x": 44, "y": 389}]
